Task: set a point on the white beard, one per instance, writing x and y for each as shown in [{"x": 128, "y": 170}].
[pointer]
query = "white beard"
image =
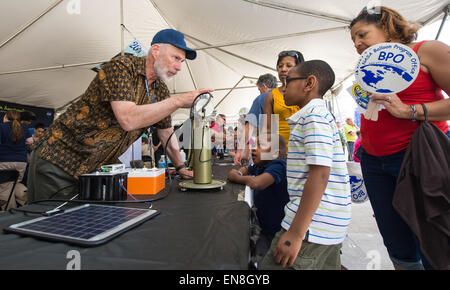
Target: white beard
[{"x": 161, "y": 71}]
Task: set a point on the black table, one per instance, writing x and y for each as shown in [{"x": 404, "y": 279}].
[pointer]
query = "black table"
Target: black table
[{"x": 198, "y": 230}]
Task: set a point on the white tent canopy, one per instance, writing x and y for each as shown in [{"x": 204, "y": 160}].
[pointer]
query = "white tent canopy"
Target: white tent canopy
[{"x": 48, "y": 47}]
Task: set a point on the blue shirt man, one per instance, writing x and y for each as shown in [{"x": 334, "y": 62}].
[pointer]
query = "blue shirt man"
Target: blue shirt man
[
  {"x": 265, "y": 83},
  {"x": 256, "y": 109}
]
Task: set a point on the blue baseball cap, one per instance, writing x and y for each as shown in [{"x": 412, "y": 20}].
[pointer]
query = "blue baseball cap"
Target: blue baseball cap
[{"x": 175, "y": 38}]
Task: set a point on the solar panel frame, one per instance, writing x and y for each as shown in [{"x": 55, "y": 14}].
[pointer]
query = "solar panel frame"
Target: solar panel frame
[{"x": 85, "y": 225}]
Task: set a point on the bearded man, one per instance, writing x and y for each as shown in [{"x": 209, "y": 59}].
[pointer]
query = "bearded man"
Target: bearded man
[{"x": 127, "y": 95}]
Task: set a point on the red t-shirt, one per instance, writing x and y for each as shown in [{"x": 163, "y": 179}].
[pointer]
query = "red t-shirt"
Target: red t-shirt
[{"x": 389, "y": 134}]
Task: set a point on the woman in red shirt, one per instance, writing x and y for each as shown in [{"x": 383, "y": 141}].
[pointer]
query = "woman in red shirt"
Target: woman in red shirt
[{"x": 384, "y": 142}]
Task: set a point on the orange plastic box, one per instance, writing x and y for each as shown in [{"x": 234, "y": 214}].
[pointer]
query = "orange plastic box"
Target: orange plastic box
[{"x": 145, "y": 181}]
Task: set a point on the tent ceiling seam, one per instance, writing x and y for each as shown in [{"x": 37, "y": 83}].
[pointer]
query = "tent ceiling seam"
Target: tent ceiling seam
[
  {"x": 26, "y": 26},
  {"x": 269, "y": 38},
  {"x": 232, "y": 54},
  {"x": 436, "y": 15},
  {"x": 226, "y": 89},
  {"x": 220, "y": 61},
  {"x": 62, "y": 66},
  {"x": 65, "y": 65},
  {"x": 224, "y": 97},
  {"x": 299, "y": 11}
]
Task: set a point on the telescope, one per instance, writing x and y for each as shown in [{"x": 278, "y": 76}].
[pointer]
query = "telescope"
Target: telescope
[{"x": 201, "y": 110}]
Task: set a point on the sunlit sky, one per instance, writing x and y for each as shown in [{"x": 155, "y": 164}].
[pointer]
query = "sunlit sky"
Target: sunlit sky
[{"x": 345, "y": 101}]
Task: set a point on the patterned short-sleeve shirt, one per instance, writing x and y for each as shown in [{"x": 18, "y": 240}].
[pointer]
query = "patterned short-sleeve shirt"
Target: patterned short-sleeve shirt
[{"x": 87, "y": 135}]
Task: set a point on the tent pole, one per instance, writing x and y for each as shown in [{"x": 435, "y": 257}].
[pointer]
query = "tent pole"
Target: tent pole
[
  {"x": 228, "y": 93},
  {"x": 444, "y": 19},
  {"x": 222, "y": 89},
  {"x": 30, "y": 23},
  {"x": 190, "y": 73},
  {"x": 233, "y": 54},
  {"x": 434, "y": 16},
  {"x": 122, "y": 50}
]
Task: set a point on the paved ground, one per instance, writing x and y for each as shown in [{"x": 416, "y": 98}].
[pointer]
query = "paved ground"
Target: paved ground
[{"x": 363, "y": 249}]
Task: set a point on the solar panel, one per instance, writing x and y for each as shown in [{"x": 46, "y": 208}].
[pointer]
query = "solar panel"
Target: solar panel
[{"x": 85, "y": 225}]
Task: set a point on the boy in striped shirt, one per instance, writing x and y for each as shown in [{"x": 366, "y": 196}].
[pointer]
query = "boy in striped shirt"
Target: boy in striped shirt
[{"x": 319, "y": 212}]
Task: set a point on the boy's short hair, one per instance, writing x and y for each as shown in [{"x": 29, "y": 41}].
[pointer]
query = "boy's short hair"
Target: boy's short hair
[
  {"x": 321, "y": 70},
  {"x": 39, "y": 125}
]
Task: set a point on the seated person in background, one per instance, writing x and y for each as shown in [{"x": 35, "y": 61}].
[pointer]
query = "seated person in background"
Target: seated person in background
[
  {"x": 267, "y": 177},
  {"x": 26, "y": 118},
  {"x": 39, "y": 129},
  {"x": 14, "y": 137}
]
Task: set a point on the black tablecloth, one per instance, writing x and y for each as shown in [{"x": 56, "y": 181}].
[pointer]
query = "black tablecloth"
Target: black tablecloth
[{"x": 196, "y": 230}]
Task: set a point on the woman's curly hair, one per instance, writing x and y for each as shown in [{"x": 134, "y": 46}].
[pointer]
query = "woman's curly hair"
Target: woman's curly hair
[{"x": 395, "y": 25}]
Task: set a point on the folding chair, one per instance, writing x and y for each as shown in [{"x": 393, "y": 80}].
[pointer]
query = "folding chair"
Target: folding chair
[{"x": 10, "y": 175}]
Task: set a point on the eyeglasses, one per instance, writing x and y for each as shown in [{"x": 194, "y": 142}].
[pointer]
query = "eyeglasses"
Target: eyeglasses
[
  {"x": 293, "y": 79},
  {"x": 292, "y": 53}
]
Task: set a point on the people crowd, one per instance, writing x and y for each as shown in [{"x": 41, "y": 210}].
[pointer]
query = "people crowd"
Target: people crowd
[{"x": 379, "y": 146}]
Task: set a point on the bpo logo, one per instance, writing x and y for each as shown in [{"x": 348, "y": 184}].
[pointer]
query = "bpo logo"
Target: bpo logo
[
  {"x": 358, "y": 189},
  {"x": 387, "y": 68}
]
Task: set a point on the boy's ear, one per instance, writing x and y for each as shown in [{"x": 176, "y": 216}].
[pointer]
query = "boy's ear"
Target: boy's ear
[{"x": 311, "y": 82}]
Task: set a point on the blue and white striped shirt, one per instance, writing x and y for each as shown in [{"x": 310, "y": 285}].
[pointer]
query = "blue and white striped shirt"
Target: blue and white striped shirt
[{"x": 315, "y": 140}]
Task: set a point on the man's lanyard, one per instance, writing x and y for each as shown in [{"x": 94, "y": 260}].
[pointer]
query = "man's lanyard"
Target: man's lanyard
[
  {"x": 148, "y": 92},
  {"x": 153, "y": 99}
]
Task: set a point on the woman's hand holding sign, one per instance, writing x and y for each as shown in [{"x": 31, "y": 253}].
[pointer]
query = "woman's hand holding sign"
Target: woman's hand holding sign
[{"x": 393, "y": 104}]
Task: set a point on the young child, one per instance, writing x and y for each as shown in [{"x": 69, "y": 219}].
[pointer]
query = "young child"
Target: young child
[
  {"x": 319, "y": 211},
  {"x": 267, "y": 177}
]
